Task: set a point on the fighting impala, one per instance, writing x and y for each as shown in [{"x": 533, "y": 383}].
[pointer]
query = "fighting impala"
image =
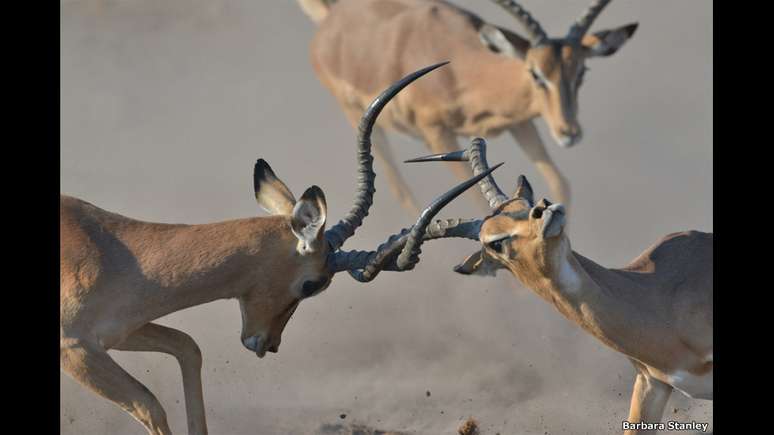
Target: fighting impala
[
  {"x": 118, "y": 275},
  {"x": 499, "y": 81},
  {"x": 657, "y": 310}
]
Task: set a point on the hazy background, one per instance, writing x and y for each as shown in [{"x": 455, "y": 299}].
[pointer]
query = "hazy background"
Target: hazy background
[{"x": 167, "y": 104}]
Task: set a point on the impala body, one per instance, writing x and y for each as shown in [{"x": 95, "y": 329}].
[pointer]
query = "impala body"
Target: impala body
[
  {"x": 657, "y": 310},
  {"x": 119, "y": 274},
  {"x": 498, "y": 81}
]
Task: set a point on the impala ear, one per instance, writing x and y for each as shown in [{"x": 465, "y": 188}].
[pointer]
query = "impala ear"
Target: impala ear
[
  {"x": 524, "y": 190},
  {"x": 270, "y": 192},
  {"x": 607, "y": 42},
  {"x": 494, "y": 39},
  {"x": 308, "y": 220},
  {"x": 478, "y": 263}
]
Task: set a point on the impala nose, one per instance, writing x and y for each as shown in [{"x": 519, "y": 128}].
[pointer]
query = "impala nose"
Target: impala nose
[{"x": 569, "y": 136}]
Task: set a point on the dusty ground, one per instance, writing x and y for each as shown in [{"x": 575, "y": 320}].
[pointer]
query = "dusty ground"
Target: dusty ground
[{"x": 165, "y": 107}]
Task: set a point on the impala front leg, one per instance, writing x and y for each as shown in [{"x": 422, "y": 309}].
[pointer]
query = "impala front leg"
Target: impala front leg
[
  {"x": 649, "y": 398},
  {"x": 90, "y": 364},
  {"x": 157, "y": 338},
  {"x": 527, "y": 136}
]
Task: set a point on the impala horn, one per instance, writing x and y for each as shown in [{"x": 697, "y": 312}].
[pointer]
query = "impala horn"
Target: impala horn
[
  {"x": 583, "y": 24},
  {"x": 345, "y": 228},
  {"x": 401, "y": 251},
  {"x": 535, "y": 30},
  {"x": 476, "y": 155}
]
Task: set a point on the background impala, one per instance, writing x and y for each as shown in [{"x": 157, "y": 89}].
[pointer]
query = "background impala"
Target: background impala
[
  {"x": 142, "y": 94},
  {"x": 502, "y": 81}
]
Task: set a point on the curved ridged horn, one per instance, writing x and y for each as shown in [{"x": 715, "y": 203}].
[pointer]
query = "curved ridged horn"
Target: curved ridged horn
[
  {"x": 440, "y": 229},
  {"x": 401, "y": 251},
  {"x": 345, "y": 228},
  {"x": 476, "y": 155},
  {"x": 583, "y": 24},
  {"x": 535, "y": 30}
]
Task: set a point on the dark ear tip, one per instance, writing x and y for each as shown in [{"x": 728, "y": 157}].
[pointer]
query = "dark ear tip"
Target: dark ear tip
[
  {"x": 458, "y": 268},
  {"x": 261, "y": 169},
  {"x": 261, "y": 163},
  {"x": 523, "y": 186},
  {"x": 632, "y": 27},
  {"x": 314, "y": 192}
]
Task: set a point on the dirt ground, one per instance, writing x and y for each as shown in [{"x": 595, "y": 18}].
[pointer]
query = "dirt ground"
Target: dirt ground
[{"x": 167, "y": 105}]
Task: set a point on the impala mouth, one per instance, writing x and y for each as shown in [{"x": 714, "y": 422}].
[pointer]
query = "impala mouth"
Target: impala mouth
[
  {"x": 259, "y": 345},
  {"x": 256, "y": 343}
]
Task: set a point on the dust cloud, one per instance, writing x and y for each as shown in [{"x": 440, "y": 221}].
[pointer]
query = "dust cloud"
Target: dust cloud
[{"x": 165, "y": 106}]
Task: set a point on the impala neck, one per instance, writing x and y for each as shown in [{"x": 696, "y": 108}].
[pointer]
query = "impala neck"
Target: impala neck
[
  {"x": 604, "y": 302},
  {"x": 197, "y": 264}
]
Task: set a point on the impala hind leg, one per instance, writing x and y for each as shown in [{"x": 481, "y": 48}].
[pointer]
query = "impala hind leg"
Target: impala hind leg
[
  {"x": 383, "y": 153},
  {"x": 91, "y": 366},
  {"x": 649, "y": 397},
  {"x": 442, "y": 140},
  {"x": 157, "y": 338},
  {"x": 527, "y": 136}
]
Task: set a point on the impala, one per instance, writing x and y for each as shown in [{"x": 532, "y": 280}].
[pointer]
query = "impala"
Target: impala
[
  {"x": 657, "y": 310},
  {"x": 499, "y": 81},
  {"x": 119, "y": 274}
]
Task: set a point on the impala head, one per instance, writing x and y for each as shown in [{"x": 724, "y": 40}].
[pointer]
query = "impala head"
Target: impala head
[
  {"x": 519, "y": 235},
  {"x": 306, "y": 255},
  {"x": 556, "y": 66},
  {"x": 526, "y": 238},
  {"x": 300, "y": 267}
]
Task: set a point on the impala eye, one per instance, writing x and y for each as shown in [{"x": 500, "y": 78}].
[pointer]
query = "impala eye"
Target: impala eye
[{"x": 496, "y": 245}]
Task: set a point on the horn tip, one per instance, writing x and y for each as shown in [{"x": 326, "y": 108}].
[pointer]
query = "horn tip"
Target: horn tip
[{"x": 455, "y": 156}]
